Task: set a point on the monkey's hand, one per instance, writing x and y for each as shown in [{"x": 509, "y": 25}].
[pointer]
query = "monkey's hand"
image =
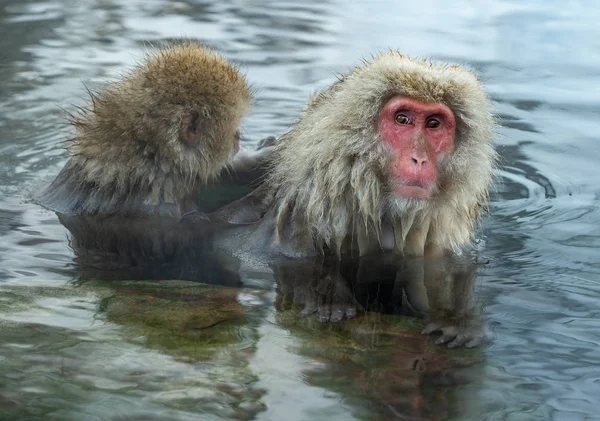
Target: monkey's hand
[
  {"x": 442, "y": 291},
  {"x": 252, "y": 160},
  {"x": 266, "y": 142},
  {"x": 328, "y": 296},
  {"x": 248, "y": 166},
  {"x": 331, "y": 298},
  {"x": 467, "y": 332}
]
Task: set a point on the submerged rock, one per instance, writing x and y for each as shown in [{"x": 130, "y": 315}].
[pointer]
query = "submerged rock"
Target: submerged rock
[
  {"x": 181, "y": 318},
  {"x": 383, "y": 362}
]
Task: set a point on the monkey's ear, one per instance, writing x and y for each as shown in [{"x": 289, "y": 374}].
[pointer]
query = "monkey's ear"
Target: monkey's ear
[{"x": 191, "y": 126}]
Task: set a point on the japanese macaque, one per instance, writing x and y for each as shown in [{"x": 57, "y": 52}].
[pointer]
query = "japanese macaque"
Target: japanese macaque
[
  {"x": 150, "y": 141},
  {"x": 396, "y": 155},
  {"x": 145, "y": 148}
]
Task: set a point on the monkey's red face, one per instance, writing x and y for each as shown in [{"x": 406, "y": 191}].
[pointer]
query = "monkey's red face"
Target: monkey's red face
[{"x": 420, "y": 134}]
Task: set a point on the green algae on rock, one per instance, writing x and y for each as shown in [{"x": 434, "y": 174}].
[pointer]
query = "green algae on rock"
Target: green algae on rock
[{"x": 182, "y": 318}]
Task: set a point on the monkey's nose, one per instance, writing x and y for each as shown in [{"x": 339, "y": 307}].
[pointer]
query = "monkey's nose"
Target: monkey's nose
[{"x": 418, "y": 160}]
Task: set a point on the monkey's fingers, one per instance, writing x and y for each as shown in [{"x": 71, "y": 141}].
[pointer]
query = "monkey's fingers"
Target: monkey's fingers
[
  {"x": 430, "y": 328},
  {"x": 351, "y": 312},
  {"x": 266, "y": 142},
  {"x": 455, "y": 336},
  {"x": 336, "y": 315},
  {"x": 340, "y": 302},
  {"x": 284, "y": 301},
  {"x": 336, "y": 312},
  {"x": 448, "y": 333},
  {"x": 475, "y": 342},
  {"x": 310, "y": 307},
  {"x": 324, "y": 307},
  {"x": 341, "y": 312},
  {"x": 467, "y": 339},
  {"x": 460, "y": 340}
]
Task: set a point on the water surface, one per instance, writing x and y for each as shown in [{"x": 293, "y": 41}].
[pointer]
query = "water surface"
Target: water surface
[{"x": 71, "y": 350}]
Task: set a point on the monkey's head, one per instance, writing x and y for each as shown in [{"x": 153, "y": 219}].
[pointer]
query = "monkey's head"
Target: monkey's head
[
  {"x": 175, "y": 117},
  {"x": 396, "y": 141}
]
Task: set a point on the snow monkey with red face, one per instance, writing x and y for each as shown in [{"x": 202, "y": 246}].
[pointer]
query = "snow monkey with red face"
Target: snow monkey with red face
[{"x": 396, "y": 155}]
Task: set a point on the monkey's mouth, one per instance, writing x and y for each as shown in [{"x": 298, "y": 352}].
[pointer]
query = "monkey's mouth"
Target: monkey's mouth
[{"x": 412, "y": 192}]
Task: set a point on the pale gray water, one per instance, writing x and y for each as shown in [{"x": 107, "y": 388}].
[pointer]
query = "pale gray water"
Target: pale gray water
[{"x": 61, "y": 359}]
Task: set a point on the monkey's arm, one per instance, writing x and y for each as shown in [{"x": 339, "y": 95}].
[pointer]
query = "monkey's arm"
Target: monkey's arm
[
  {"x": 249, "y": 165},
  {"x": 314, "y": 286},
  {"x": 65, "y": 194},
  {"x": 71, "y": 194},
  {"x": 441, "y": 289},
  {"x": 237, "y": 196},
  {"x": 246, "y": 210}
]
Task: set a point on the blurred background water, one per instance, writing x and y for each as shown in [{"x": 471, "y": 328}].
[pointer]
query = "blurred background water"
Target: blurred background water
[{"x": 63, "y": 358}]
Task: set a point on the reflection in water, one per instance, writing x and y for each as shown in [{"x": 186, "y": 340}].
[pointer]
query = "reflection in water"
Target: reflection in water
[
  {"x": 72, "y": 351},
  {"x": 379, "y": 363},
  {"x": 419, "y": 378},
  {"x": 335, "y": 290},
  {"x": 146, "y": 248},
  {"x": 211, "y": 324}
]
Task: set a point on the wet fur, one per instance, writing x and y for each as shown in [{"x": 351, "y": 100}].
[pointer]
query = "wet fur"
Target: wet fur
[
  {"x": 329, "y": 180},
  {"x": 127, "y": 156}
]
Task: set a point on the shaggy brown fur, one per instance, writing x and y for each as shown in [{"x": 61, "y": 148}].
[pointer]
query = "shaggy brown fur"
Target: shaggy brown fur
[
  {"x": 331, "y": 183},
  {"x": 149, "y": 141}
]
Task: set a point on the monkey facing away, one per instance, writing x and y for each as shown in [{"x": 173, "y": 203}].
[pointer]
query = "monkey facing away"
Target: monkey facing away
[
  {"x": 396, "y": 155},
  {"x": 147, "y": 143},
  {"x": 145, "y": 148}
]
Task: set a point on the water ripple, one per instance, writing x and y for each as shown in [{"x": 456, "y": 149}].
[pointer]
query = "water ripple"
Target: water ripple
[{"x": 539, "y": 59}]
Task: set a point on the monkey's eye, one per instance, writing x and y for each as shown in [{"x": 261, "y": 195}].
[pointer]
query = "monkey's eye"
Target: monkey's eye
[
  {"x": 402, "y": 119},
  {"x": 433, "y": 123}
]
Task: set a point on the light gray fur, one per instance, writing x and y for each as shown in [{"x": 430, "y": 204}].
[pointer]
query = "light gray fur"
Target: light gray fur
[{"x": 331, "y": 174}]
